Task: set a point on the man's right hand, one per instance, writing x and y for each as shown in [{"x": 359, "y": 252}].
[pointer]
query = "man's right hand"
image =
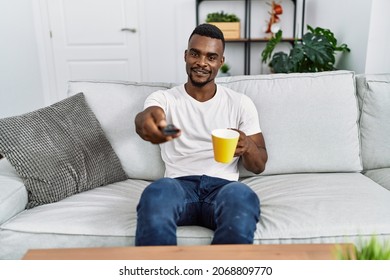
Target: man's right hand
[{"x": 149, "y": 124}]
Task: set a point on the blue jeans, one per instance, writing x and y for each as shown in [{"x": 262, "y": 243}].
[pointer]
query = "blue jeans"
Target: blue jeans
[{"x": 229, "y": 208}]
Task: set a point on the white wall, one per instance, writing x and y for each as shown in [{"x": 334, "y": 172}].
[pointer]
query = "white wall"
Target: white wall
[
  {"x": 364, "y": 25},
  {"x": 163, "y": 40},
  {"x": 20, "y": 79},
  {"x": 349, "y": 20},
  {"x": 378, "y": 49}
]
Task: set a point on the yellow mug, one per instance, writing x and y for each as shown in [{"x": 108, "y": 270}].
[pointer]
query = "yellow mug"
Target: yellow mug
[{"x": 224, "y": 144}]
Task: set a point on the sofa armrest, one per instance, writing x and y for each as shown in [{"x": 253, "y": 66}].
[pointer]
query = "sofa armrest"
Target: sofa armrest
[{"x": 13, "y": 194}]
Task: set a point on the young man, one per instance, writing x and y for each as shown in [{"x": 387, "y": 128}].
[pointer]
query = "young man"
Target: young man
[{"x": 197, "y": 190}]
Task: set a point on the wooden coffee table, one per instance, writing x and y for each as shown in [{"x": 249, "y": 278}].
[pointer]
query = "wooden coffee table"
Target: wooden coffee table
[{"x": 214, "y": 252}]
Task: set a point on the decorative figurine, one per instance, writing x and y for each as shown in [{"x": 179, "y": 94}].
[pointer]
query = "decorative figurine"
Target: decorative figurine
[{"x": 273, "y": 25}]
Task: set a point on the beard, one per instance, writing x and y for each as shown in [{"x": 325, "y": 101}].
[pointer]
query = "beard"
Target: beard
[{"x": 199, "y": 84}]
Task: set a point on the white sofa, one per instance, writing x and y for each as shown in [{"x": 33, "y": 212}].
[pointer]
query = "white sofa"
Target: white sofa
[{"x": 327, "y": 178}]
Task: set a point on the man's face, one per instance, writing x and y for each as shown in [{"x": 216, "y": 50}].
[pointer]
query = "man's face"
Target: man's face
[{"x": 203, "y": 58}]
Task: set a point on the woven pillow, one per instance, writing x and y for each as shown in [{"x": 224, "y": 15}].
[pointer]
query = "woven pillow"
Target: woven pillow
[{"x": 59, "y": 151}]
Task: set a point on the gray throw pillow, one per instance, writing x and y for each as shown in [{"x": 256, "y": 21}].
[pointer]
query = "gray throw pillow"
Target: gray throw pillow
[{"x": 59, "y": 150}]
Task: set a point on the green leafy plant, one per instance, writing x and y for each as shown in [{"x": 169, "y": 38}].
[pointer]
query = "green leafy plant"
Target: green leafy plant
[
  {"x": 371, "y": 250},
  {"x": 316, "y": 52},
  {"x": 221, "y": 17},
  {"x": 225, "y": 68}
]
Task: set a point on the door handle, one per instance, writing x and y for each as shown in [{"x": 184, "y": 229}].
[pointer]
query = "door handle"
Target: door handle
[{"x": 132, "y": 30}]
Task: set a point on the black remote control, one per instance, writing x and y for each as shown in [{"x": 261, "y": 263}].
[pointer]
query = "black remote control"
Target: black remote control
[{"x": 170, "y": 129}]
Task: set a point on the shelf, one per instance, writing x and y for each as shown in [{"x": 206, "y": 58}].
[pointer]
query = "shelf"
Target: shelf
[
  {"x": 259, "y": 40},
  {"x": 248, "y": 40}
]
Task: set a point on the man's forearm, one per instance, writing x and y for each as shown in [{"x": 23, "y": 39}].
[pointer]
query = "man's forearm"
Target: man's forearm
[{"x": 255, "y": 158}]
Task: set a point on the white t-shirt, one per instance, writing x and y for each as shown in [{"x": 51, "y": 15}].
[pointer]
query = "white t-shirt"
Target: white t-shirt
[{"x": 192, "y": 152}]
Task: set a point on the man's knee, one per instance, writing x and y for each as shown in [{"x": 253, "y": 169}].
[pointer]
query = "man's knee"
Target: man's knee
[
  {"x": 239, "y": 194},
  {"x": 163, "y": 194}
]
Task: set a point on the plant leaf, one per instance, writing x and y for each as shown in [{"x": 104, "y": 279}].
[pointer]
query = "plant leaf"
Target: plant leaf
[
  {"x": 297, "y": 57},
  {"x": 314, "y": 53},
  {"x": 221, "y": 17},
  {"x": 280, "y": 63},
  {"x": 271, "y": 44},
  {"x": 331, "y": 38},
  {"x": 319, "y": 52}
]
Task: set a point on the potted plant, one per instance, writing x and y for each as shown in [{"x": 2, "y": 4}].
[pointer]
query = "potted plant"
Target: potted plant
[
  {"x": 370, "y": 250},
  {"x": 228, "y": 23},
  {"x": 314, "y": 53},
  {"x": 224, "y": 70}
]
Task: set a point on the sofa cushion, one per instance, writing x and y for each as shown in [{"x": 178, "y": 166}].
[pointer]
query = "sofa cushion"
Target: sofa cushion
[
  {"x": 309, "y": 120},
  {"x": 115, "y": 105},
  {"x": 316, "y": 208},
  {"x": 374, "y": 102},
  {"x": 59, "y": 150},
  {"x": 100, "y": 217},
  {"x": 13, "y": 193},
  {"x": 295, "y": 208}
]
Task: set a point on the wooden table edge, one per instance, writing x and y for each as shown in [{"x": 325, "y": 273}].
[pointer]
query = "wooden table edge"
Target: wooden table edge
[{"x": 330, "y": 251}]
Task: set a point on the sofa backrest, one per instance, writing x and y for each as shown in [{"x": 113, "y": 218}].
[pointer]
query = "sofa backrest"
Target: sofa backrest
[
  {"x": 309, "y": 121},
  {"x": 374, "y": 103}
]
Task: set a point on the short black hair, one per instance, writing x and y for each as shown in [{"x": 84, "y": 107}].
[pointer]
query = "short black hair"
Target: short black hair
[{"x": 209, "y": 30}]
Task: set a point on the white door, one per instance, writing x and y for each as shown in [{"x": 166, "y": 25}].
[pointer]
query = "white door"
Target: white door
[{"x": 94, "y": 39}]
